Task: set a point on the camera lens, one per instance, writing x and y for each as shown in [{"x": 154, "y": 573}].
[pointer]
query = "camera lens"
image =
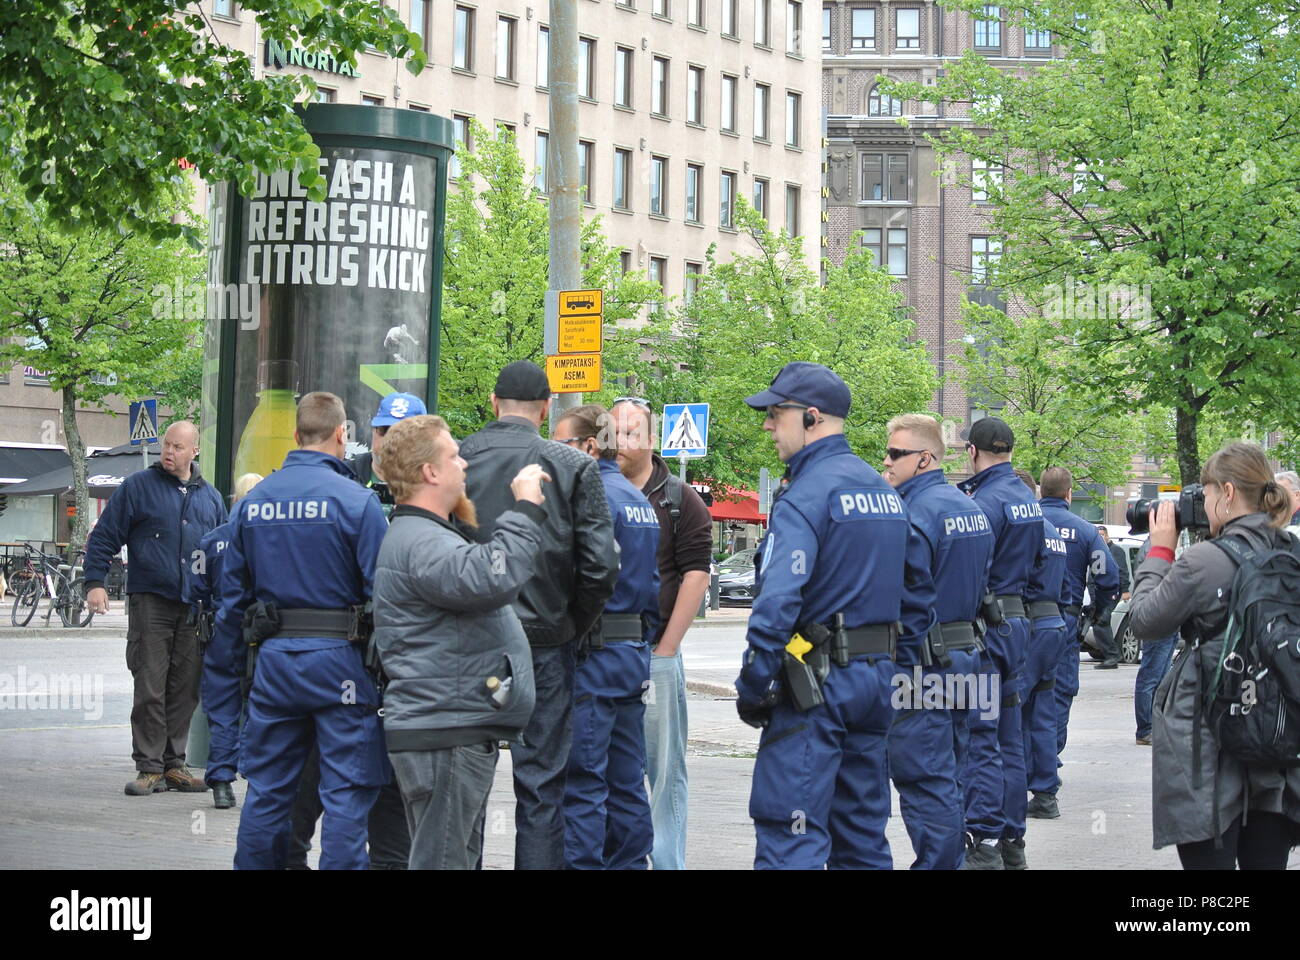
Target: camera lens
[{"x": 1138, "y": 516}]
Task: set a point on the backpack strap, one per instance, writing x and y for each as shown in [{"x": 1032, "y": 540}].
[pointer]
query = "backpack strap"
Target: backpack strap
[
  {"x": 673, "y": 500},
  {"x": 1238, "y": 552}
]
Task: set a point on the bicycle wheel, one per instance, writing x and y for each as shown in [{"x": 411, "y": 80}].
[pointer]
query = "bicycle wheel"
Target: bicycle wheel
[
  {"x": 74, "y": 610},
  {"x": 27, "y": 597}
]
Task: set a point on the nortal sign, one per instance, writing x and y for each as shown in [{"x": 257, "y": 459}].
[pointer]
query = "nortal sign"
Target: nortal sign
[{"x": 279, "y": 57}]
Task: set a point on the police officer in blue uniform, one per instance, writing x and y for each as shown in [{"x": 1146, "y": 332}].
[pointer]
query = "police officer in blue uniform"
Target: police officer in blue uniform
[
  {"x": 219, "y": 684},
  {"x": 844, "y": 594},
  {"x": 1085, "y": 552},
  {"x": 995, "y": 763},
  {"x": 607, "y": 822},
  {"x": 928, "y": 739},
  {"x": 1043, "y": 598},
  {"x": 300, "y": 560}
]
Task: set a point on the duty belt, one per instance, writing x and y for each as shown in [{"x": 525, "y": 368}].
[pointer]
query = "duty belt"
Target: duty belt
[
  {"x": 621, "y": 626},
  {"x": 1012, "y": 605},
  {"x": 960, "y": 635},
  {"x": 875, "y": 639},
  {"x": 1073, "y": 610},
  {"x": 306, "y": 622},
  {"x": 1043, "y": 608}
]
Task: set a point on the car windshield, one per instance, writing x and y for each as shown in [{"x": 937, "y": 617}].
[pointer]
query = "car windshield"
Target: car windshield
[{"x": 745, "y": 558}]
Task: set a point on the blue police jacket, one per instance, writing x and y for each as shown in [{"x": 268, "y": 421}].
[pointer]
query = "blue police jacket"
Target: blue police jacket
[
  {"x": 160, "y": 519},
  {"x": 957, "y": 540},
  {"x": 202, "y": 572},
  {"x": 1047, "y": 579},
  {"x": 636, "y": 531},
  {"x": 838, "y": 541},
  {"x": 1085, "y": 550},
  {"x": 307, "y": 536},
  {"x": 1017, "y": 529}
]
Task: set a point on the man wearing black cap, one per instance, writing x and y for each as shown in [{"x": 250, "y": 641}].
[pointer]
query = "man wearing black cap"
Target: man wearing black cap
[
  {"x": 577, "y": 569},
  {"x": 994, "y": 773},
  {"x": 842, "y": 568}
]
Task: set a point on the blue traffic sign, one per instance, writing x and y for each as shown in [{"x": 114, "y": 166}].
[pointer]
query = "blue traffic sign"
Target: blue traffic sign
[
  {"x": 685, "y": 430},
  {"x": 143, "y": 417}
]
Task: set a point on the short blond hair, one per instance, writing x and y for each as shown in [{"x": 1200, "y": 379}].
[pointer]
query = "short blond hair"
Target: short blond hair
[
  {"x": 925, "y": 427},
  {"x": 408, "y": 446},
  {"x": 245, "y": 483}
]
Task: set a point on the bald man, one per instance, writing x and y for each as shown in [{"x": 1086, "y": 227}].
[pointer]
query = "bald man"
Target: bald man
[{"x": 160, "y": 514}]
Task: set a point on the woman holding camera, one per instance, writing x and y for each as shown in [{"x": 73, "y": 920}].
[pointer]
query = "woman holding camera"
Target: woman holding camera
[{"x": 1220, "y": 811}]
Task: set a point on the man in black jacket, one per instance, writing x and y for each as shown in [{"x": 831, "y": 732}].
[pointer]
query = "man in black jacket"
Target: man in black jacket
[
  {"x": 160, "y": 514},
  {"x": 577, "y": 568}
]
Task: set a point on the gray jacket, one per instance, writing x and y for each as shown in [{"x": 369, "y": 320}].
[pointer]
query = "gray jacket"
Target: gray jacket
[
  {"x": 1188, "y": 804},
  {"x": 444, "y": 625}
]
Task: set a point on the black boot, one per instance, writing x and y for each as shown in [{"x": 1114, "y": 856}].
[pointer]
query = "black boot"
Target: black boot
[
  {"x": 1013, "y": 854},
  {"x": 223, "y": 795},
  {"x": 1043, "y": 807},
  {"x": 982, "y": 856}
]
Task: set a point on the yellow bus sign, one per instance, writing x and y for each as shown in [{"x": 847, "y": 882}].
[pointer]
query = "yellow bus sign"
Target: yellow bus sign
[{"x": 574, "y": 373}]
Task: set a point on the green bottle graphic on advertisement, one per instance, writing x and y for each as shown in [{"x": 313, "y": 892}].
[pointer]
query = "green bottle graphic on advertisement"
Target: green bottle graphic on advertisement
[{"x": 268, "y": 435}]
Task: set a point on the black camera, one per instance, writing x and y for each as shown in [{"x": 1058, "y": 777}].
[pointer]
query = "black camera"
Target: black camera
[{"x": 1189, "y": 511}]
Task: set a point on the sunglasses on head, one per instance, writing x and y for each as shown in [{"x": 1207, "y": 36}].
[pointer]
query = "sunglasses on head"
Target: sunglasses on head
[{"x": 639, "y": 401}]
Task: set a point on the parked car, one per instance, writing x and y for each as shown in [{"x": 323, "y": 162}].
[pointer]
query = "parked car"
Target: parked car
[
  {"x": 1130, "y": 648},
  {"x": 736, "y": 579}
]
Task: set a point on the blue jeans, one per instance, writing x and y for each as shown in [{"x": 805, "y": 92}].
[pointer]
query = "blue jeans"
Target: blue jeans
[
  {"x": 1155, "y": 661},
  {"x": 665, "y": 742},
  {"x": 540, "y": 761}
]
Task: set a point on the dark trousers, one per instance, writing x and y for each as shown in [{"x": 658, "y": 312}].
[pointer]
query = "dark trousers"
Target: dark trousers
[
  {"x": 446, "y": 796},
  {"x": 540, "y": 760},
  {"x": 162, "y": 653},
  {"x": 1264, "y": 843},
  {"x": 390, "y": 840},
  {"x": 1102, "y": 631}
]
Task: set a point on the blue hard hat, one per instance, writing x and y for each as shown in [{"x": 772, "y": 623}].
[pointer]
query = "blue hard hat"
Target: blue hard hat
[
  {"x": 810, "y": 384},
  {"x": 397, "y": 406}
]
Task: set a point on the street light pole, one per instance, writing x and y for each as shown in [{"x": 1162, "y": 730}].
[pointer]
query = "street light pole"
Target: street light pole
[{"x": 565, "y": 264}]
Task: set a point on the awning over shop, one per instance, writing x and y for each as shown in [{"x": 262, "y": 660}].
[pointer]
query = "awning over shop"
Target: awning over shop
[
  {"x": 105, "y": 471},
  {"x": 19, "y": 462},
  {"x": 740, "y": 507}
]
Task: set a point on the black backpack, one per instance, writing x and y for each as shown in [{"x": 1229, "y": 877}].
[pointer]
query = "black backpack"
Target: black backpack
[{"x": 1253, "y": 700}]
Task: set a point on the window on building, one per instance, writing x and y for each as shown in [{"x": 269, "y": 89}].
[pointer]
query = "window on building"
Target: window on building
[
  {"x": 660, "y": 8},
  {"x": 586, "y": 150},
  {"x": 726, "y": 199},
  {"x": 420, "y": 22},
  {"x": 462, "y": 44},
  {"x": 659, "y": 86},
  {"x": 985, "y": 252},
  {"x": 695, "y": 12},
  {"x": 763, "y": 22},
  {"x": 907, "y": 29},
  {"x": 730, "y": 18},
  {"x": 894, "y": 254},
  {"x": 792, "y": 209},
  {"x": 625, "y": 261},
  {"x": 659, "y": 186},
  {"x": 629, "y": 4},
  {"x": 826, "y": 29},
  {"x": 371, "y": 101},
  {"x": 543, "y": 57},
  {"x": 506, "y": 131},
  {"x": 506, "y": 48},
  {"x": 223, "y": 8},
  {"x": 761, "y": 188},
  {"x": 694, "y": 94},
  {"x": 988, "y": 28},
  {"x": 884, "y": 177},
  {"x": 729, "y": 86},
  {"x": 541, "y": 163},
  {"x": 882, "y": 105},
  {"x": 694, "y": 178},
  {"x": 622, "y": 176},
  {"x": 417, "y": 107},
  {"x": 656, "y": 274},
  {"x": 1038, "y": 42},
  {"x": 587, "y": 68},
  {"x": 793, "y": 27},
  {"x": 460, "y": 129},
  {"x": 792, "y": 119},
  {"x": 691, "y": 285},
  {"x": 326, "y": 95},
  {"x": 864, "y": 29},
  {"x": 983, "y": 178},
  {"x": 762, "y": 100},
  {"x": 623, "y": 76}
]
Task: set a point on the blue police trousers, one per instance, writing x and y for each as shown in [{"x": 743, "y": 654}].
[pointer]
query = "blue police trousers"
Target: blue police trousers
[
  {"x": 299, "y": 696},
  {"x": 1067, "y": 680},
  {"x": 923, "y": 746},
  {"x": 995, "y": 762},
  {"x": 222, "y": 703},
  {"x": 1038, "y": 713},
  {"x": 820, "y": 793},
  {"x": 607, "y": 823}
]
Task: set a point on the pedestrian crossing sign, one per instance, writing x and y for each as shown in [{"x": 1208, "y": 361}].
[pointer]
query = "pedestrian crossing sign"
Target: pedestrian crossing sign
[
  {"x": 143, "y": 417},
  {"x": 685, "y": 430}
]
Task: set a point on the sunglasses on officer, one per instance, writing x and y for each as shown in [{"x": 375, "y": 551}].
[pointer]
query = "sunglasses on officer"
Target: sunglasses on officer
[
  {"x": 895, "y": 454},
  {"x": 770, "y": 415}
]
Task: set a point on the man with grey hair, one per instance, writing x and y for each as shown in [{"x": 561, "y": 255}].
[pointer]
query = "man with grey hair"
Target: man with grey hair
[{"x": 1291, "y": 480}]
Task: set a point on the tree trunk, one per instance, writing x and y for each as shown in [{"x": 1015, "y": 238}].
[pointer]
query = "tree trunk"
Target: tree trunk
[
  {"x": 1189, "y": 459},
  {"x": 80, "y": 490}
]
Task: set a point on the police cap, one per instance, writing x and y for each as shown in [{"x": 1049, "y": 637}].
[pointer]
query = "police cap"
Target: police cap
[
  {"x": 810, "y": 384},
  {"x": 990, "y": 434}
]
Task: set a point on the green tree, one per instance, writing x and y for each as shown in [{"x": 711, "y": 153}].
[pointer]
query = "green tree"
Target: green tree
[
  {"x": 1158, "y": 159},
  {"x": 495, "y": 278},
  {"x": 103, "y": 99},
  {"x": 758, "y": 311},
  {"x": 82, "y": 307}
]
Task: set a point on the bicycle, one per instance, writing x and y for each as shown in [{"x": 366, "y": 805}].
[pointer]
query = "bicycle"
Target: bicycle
[{"x": 46, "y": 576}]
